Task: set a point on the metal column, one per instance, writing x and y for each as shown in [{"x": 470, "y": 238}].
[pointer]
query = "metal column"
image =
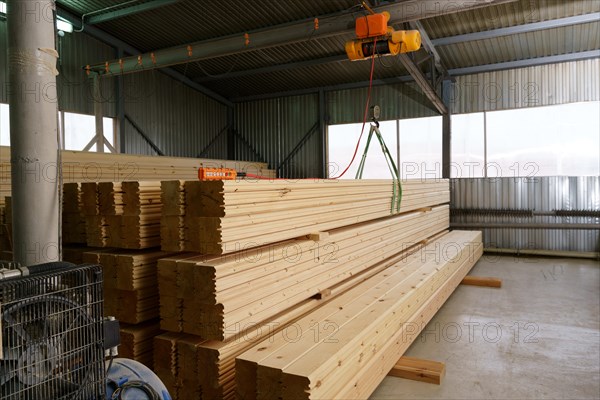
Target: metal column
[
  {"x": 98, "y": 115},
  {"x": 447, "y": 132},
  {"x": 323, "y": 131},
  {"x": 33, "y": 130}
]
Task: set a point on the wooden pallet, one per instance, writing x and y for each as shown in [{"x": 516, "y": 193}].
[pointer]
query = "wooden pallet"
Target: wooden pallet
[
  {"x": 228, "y": 216},
  {"x": 247, "y": 288},
  {"x": 352, "y": 328}
]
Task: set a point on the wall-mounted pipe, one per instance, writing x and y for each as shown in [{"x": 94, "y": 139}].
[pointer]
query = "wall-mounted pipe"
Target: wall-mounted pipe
[
  {"x": 552, "y": 253},
  {"x": 487, "y": 225},
  {"x": 33, "y": 131}
]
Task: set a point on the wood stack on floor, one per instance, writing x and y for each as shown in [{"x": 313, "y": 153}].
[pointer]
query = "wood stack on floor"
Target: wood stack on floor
[
  {"x": 173, "y": 213},
  {"x": 358, "y": 337},
  {"x": 138, "y": 226},
  {"x": 131, "y": 296},
  {"x": 96, "y": 229},
  {"x": 225, "y": 294},
  {"x": 81, "y": 166},
  {"x": 219, "y": 215},
  {"x": 218, "y": 307},
  {"x": 73, "y": 219},
  {"x": 137, "y": 341},
  {"x": 6, "y": 229}
]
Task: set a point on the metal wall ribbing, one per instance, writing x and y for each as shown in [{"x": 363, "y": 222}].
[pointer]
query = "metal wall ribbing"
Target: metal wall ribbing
[
  {"x": 178, "y": 119},
  {"x": 543, "y": 85},
  {"x": 540, "y": 194},
  {"x": 268, "y": 130}
]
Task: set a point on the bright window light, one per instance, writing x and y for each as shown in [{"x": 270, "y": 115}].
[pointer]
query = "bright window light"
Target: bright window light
[
  {"x": 64, "y": 26},
  {"x": 61, "y": 24}
]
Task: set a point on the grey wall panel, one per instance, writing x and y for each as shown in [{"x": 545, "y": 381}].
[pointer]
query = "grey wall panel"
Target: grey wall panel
[
  {"x": 539, "y": 194},
  {"x": 272, "y": 128},
  {"x": 3, "y": 62},
  {"x": 397, "y": 101},
  {"x": 544, "y": 85},
  {"x": 74, "y": 88},
  {"x": 179, "y": 120}
]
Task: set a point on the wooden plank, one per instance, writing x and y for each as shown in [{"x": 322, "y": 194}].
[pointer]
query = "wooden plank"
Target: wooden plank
[
  {"x": 275, "y": 222},
  {"x": 417, "y": 369},
  {"x": 314, "y": 360},
  {"x": 482, "y": 281},
  {"x": 368, "y": 378},
  {"x": 255, "y": 289},
  {"x": 166, "y": 364},
  {"x": 137, "y": 341}
]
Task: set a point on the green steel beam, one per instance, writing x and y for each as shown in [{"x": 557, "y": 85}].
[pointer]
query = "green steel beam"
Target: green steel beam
[
  {"x": 283, "y": 34},
  {"x": 124, "y": 12}
]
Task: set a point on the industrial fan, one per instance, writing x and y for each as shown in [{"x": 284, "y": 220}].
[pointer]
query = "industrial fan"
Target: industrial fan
[{"x": 52, "y": 333}]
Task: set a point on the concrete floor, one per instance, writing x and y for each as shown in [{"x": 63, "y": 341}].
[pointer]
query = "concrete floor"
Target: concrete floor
[{"x": 553, "y": 354}]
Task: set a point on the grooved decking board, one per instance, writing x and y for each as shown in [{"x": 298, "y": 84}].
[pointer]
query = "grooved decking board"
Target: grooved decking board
[
  {"x": 228, "y": 216},
  {"x": 366, "y": 317}
]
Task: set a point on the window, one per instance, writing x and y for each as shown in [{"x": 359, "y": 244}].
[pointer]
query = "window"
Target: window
[
  {"x": 421, "y": 148},
  {"x": 468, "y": 145},
  {"x": 342, "y": 141},
  {"x": 79, "y": 129},
  {"x": 4, "y": 125},
  {"x": 545, "y": 141}
]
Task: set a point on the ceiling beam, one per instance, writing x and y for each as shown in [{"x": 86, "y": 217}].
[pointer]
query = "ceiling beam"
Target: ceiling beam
[
  {"x": 428, "y": 44},
  {"x": 127, "y": 48},
  {"x": 127, "y": 11},
  {"x": 512, "y": 30},
  {"x": 423, "y": 83},
  {"x": 454, "y": 72},
  {"x": 274, "y": 68},
  {"x": 288, "y": 33}
]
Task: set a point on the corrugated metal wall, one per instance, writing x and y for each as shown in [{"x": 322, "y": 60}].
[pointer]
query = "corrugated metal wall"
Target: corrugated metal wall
[
  {"x": 74, "y": 88},
  {"x": 544, "y": 85},
  {"x": 270, "y": 129},
  {"x": 539, "y": 194},
  {"x": 178, "y": 119},
  {"x": 397, "y": 101}
]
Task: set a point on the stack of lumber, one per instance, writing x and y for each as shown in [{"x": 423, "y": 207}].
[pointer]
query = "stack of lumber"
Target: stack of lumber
[
  {"x": 96, "y": 228},
  {"x": 140, "y": 224},
  {"x": 166, "y": 364},
  {"x": 73, "y": 219},
  {"x": 6, "y": 230},
  {"x": 345, "y": 348},
  {"x": 80, "y": 166},
  {"x": 227, "y": 216},
  {"x": 173, "y": 212},
  {"x": 227, "y": 293},
  {"x": 130, "y": 284},
  {"x": 132, "y": 214},
  {"x": 137, "y": 341},
  {"x": 216, "y": 359}
]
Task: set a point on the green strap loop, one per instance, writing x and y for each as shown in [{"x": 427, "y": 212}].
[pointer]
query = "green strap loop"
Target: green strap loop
[{"x": 396, "y": 191}]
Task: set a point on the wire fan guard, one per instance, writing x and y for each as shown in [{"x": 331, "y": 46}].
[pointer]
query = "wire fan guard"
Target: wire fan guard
[{"x": 52, "y": 337}]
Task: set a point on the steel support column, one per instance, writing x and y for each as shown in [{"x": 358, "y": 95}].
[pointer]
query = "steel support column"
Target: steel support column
[
  {"x": 231, "y": 138},
  {"x": 446, "y": 132},
  {"x": 120, "y": 86},
  {"x": 33, "y": 131},
  {"x": 323, "y": 121}
]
